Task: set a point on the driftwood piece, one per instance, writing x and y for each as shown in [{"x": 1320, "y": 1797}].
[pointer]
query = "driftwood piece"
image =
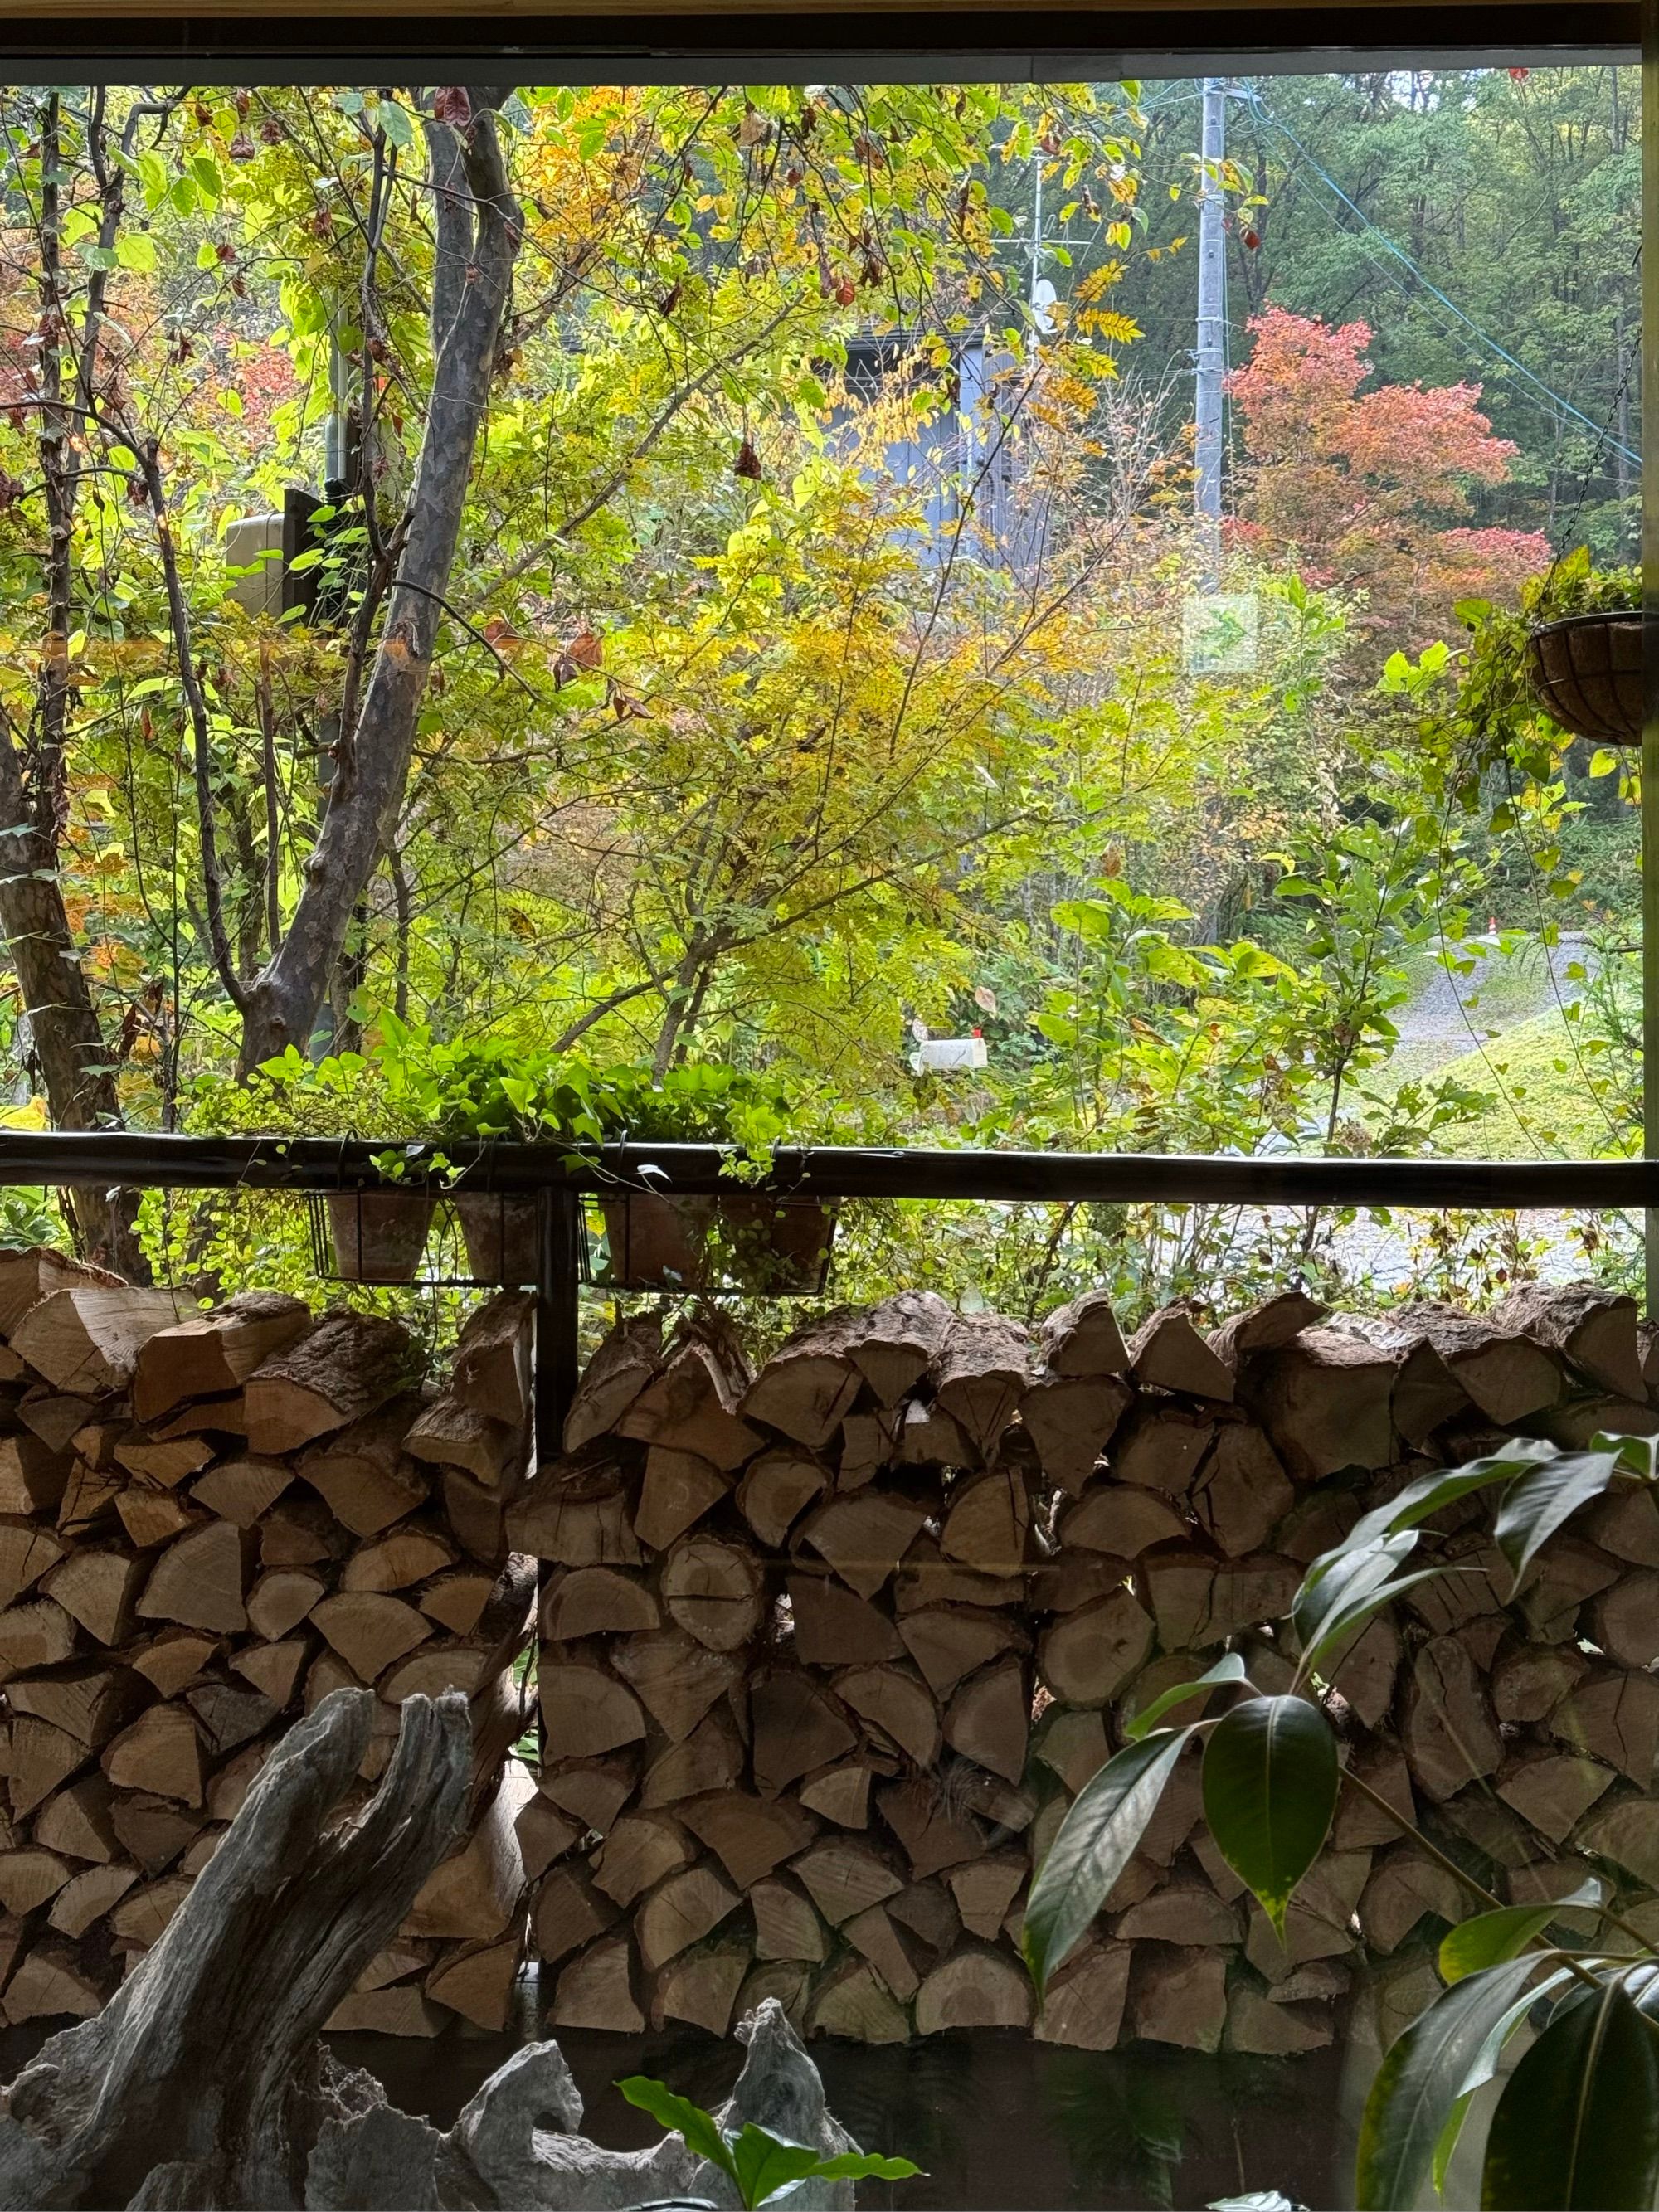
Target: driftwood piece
[{"x": 208, "y": 2055}]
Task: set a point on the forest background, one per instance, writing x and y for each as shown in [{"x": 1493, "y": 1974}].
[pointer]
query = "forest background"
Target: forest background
[{"x": 754, "y": 624}]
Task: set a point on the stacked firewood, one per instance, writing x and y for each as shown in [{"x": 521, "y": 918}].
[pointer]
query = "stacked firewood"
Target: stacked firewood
[
  {"x": 827, "y": 1650},
  {"x": 208, "y": 1521}
]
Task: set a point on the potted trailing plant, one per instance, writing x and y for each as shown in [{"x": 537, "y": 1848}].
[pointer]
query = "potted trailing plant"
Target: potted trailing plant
[{"x": 1583, "y": 649}]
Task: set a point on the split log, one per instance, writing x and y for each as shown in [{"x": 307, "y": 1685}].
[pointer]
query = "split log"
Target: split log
[
  {"x": 275, "y": 1669},
  {"x": 711, "y": 1758},
  {"x": 777, "y": 1490},
  {"x": 201, "y": 1580},
  {"x": 1166, "y": 1352},
  {"x": 1568, "y": 1572},
  {"x": 42, "y": 1756},
  {"x": 57, "y": 1418},
  {"x": 33, "y": 1476},
  {"x": 1177, "y": 1584},
  {"x": 1447, "y": 1730},
  {"x": 1185, "y": 1912},
  {"x": 678, "y": 1489},
  {"x": 576, "y": 1517},
  {"x": 692, "y": 1404},
  {"x": 808, "y": 1386},
  {"x": 161, "y": 1754},
  {"x": 399, "y": 1559},
  {"x": 1072, "y": 1744},
  {"x": 896, "y": 1703},
  {"x": 874, "y": 1935},
  {"x": 596, "y": 1990},
  {"x": 544, "y": 1834},
  {"x": 1083, "y": 1338},
  {"x": 1593, "y": 1328},
  {"x": 210, "y": 1354},
  {"x": 495, "y": 1358},
  {"x": 899, "y": 1340},
  {"x": 926, "y": 1577},
  {"x": 475, "y": 1517},
  {"x": 1625, "y": 1620},
  {"x": 640, "y": 1851},
  {"x": 89, "y": 1339},
  {"x": 38, "y": 1632},
  {"x": 1113, "y": 1518},
  {"x": 1071, "y": 1419},
  {"x": 361, "y": 1471},
  {"x": 1275, "y": 1322},
  {"x": 980, "y": 1375},
  {"x": 987, "y": 1521},
  {"x": 675, "y": 1677},
  {"x": 785, "y": 1925},
  {"x": 843, "y": 1877},
  {"x": 701, "y": 1986},
  {"x": 457, "y": 1600},
  {"x": 478, "y": 1981},
  {"x": 1426, "y": 1394},
  {"x": 1255, "y": 2022},
  {"x": 242, "y": 1490},
  {"x": 1161, "y": 1446},
  {"x": 1359, "y": 1824},
  {"x": 984, "y": 1892},
  {"x": 975, "y": 1987},
  {"x": 151, "y": 1518},
  {"x": 946, "y": 1642},
  {"x": 26, "y": 1550},
  {"x": 88, "y": 1698},
  {"x": 1326, "y": 1402},
  {"x": 928, "y": 1437},
  {"x": 100, "y": 1588},
  {"x": 1241, "y": 1493},
  {"x": 592, "y": 1791},
  {"x": 1087, "y": 1657},
  {"x": 989, "y": 1719},
  {"x": 450, "y": 1433},
  {"x": 166, "y": 1461},
  {"x": 1405, "y": 1886},
  {"x": 89, "y": 1494},
  {"x": 1614, "y": 1716},
  {"x": 87, "y": 1896},
  {"x": 625, "y": 1362},
  {"x": 27, "y": 1278},
  {"x": 51, "y": 1984},
  {"x": 1528, "y": 1680},
  {"x": 853, "y": 2000},
  {"x": 76, "y": 1821},
  {"x": 864, "y": 1537},
  {"x": 301, "y": 1532},
  {"x": 712, "y": 1589},
  {"x": 1624, "y": 1522},
  {"x": 30, "y": 1878},
  {"x": 586, "y": 1711},
  {"x": 937, "y": 1830},
  {"x": 841, "y": 1794},
  {"x": 1552, "y": 1791},
  {"x": 597, "y": 1601},
  {"x": 1083, "y": 2005},
  {"x": 867, "y": 1445},
  {"x": 280, "y": 1600},
  {"x": 370, "y": 1629},
  {"x": 140, "y": 1919},
  {"x": 345, "y": 1368},
  {"x": 1178, "y": 1996},
  {"x": 680, "y": 1911},
  {"x": 403, "y": 2010},
  {"x": 1507, "y": 1377},
  {"x": 834, "y": 1627},
  {"x": 1627, "y": 1832},
  {"x": 228, "y": 1715}
]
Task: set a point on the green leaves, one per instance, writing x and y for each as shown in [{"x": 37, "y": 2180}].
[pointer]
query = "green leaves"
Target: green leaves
[
  {"x": 1537, "y": 1503},
  {"x": 1577, "y": 2129},
  {"x": 1096, "y": 1842},
  {"x": 1228, "y": 1669},
  {"x": 1425, "y": 2072},
  {"x": 1491, "y": 1938},
  {"x": 757, "y": 2163},
  {"x": 1271, "y": 1775}
]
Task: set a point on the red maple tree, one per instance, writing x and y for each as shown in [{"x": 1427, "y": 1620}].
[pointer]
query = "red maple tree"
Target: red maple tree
[{"x": 1363, "y": 488}]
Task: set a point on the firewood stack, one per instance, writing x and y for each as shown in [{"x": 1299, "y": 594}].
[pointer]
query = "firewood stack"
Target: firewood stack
[
  {"x": 208, "y": 1521},
  {"x": 828, "y": 1650}
]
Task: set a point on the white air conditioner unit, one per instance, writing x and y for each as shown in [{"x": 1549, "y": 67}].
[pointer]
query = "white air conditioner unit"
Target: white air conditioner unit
[{"x": 254, "y": 542}]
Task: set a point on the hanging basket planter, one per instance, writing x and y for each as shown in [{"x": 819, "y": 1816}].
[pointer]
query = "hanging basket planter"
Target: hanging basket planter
[
  {"x": 378, "y": 1236},
  {"x": 1586, "y": 673},
  {"x": 767, "y": 1247}
]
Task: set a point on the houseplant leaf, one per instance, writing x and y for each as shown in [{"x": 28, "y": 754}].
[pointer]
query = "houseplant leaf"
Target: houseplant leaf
[
  {"x": 1537, "y": 1503},
  {"x": 1577, "y": 2129},
  {"x": 1271, "y": 1775},
  {"x": 1230, "y": 1669},
  {"x": 1097, "y": 1840},
  {"x": 680, "y": 2117}
]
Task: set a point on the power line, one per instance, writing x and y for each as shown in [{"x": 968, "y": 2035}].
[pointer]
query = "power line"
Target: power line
[{"x": 1398, "y": 253}]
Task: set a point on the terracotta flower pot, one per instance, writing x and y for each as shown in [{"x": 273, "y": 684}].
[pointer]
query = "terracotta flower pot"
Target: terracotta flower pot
[
  {"x": 378, "y": 1236},
  {"x": 657, "y": 1243},
  {"x": 502, "y": 1236}
]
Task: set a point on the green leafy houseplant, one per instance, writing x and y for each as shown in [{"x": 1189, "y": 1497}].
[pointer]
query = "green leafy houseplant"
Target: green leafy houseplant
[
  {"x": 1577, "y": 2124},
  {"x": 760, "y": 2167}
]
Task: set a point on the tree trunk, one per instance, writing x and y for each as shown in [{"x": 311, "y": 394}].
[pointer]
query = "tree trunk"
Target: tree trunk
[{"x": 479, "y": 233}]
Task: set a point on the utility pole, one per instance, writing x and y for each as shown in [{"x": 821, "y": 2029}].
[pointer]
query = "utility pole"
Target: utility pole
[
  {"x": 1650, "y": 19},
  {"x": 1212, "y": 354}
]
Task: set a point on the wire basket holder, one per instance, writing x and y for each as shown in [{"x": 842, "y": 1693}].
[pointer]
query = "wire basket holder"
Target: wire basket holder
[{"x": 464, "y": 1240}]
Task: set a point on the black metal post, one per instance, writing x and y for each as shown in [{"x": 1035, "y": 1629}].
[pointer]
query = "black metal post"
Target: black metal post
[{"x": 558, "y": 1312}]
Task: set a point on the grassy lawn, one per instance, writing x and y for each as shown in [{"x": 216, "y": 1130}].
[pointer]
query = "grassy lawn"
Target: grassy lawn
[{"x": 1545, "y": 1100}]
